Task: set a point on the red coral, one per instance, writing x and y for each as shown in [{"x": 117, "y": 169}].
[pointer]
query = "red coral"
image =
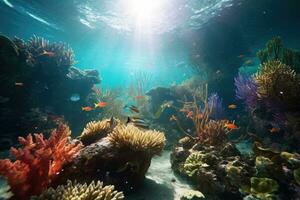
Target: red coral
[{"x": 38, "y": 162}]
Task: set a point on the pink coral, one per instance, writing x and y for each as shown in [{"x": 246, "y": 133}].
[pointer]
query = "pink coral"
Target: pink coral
[{"x": 38, "y": 162}]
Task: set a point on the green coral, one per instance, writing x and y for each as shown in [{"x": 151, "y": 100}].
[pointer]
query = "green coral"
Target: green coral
[
  {"x": 277, "y": 82},
  {"x": 234, "y": 173},
  {"x": 193, "y": 163},
  {"x": 264, "y": 188},
  {"x": 77, "y": 191},
  {"x": 274, "y": 50}
]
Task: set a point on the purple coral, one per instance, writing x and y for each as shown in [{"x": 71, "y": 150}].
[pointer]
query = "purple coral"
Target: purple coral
[
  {"x": 215, "y": 105},
  {"x": 246, "y": 90}
]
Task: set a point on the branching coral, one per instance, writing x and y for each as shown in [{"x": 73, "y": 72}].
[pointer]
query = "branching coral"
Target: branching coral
[
  {"x": 133, "y": 138},
  {"x": 246, "y": 90},
  {"x": 95, "y": 130},
  {"x": 277, "y": 82},
  {"x": 38, "y": 162},
  {"x": 76, "y": 191}
]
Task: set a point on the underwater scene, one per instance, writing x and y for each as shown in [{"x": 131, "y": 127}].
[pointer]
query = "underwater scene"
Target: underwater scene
[{"x": 150, "y": 100}]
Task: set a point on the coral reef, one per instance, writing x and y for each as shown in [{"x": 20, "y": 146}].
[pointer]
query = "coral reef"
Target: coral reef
[
  {"x": 121, "y": 158},
  {"x": 73, "y": 190},
  {"x": 38, "y": 162},
  {"x": 37, "y": 82},
  {"x": 132, "y": 138},
  {"x": 246, "y": 90}
]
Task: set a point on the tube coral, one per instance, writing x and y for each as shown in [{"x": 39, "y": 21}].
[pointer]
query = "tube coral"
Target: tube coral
[
  {"x": 131, "y": 137},
  {"x": 76, "y": 191},
  {"x": 38, "y": 162},
  {"x": 246, "y": 90}
]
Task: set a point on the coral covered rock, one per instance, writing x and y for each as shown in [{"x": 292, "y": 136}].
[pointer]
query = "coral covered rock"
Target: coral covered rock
[
  {"x": 77, "y": 191},
  {"x": 38, "y": 162},
  {"x": 263, "y": 188}
]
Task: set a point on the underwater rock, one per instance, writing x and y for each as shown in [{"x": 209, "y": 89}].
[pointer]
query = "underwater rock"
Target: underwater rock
[
  {"x": 189, "y": 194},
  {"x": 178, "y": 156},
  {"x": 186, "y": 142},
  {"x": 122, "y": 158},
  {"x": 88, "y": 76}
]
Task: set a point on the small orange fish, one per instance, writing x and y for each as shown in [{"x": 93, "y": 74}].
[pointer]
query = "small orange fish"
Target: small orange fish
[
  {"x": 173, "y": 118},
  {"x": 139, "y": 97},
  {"x": 241, "y": 56},
  {"x": 248, "y": 62},
  {"x": 230, "y": 126},
  {"x": 274, "y": 130},
  {"x": 101, "y": 104},
  {"x": 232, "y": 106},
  {"x": 190, "y": 114},
  {"x": 87, "y": 108},
  {"x": 47, "y": 53},
  {"x": 19, "y": 84}
]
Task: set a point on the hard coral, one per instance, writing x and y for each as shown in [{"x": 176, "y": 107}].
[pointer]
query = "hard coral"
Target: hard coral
[
  {"x": 77, "y": 191},
  {"x": 131, "y": 137},
  {"x": 277, "y": 82},
  {"x": 38, "y": 162}
]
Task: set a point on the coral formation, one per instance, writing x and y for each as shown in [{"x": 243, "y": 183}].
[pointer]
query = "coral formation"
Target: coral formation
[
  {"x": 5, "y": 192},
  {"x": 96, "y": 130},
  {"x": 74, "y": 190},
  {"x": 38, "y": 162},
  {"x": 246, "y": 90},
  {"x": 263, "y": 188},
  {"x": 135, "y": 139}
]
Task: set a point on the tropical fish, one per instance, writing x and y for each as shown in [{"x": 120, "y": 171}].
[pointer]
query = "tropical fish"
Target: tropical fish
[
  {"x": 173, "y": 118},
  {"x": 87, "y": 108},
  {"x": 248, "y": 62},
  {"x": 232, "y": 106},
  {"x": 139, "y": 97},
  {"x": 100, "y": 104},
  {"x": 75, "y": 97},
  {"x": 230, "y": 126},
  {"x": 47, "y": 53},
  {"x": 132, "y": 108},
  {"x": 19, "y": 84},
  {"x": 138, "y": 122},
  {"x": 274, "y": 130},
  {"x": 162, "y": 107},
  {"x": 189, "y": 114}
]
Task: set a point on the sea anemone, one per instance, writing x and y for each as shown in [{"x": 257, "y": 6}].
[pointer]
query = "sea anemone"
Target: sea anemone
[
  {"x": 95, "y": 130},
  {"x": 277, "y": 83},
  {"x": 215, "y": 106},
  {"x": 246, "y": 90},
  {"x": 133, "y": 138},
  {"x": 77, "y": 191}
]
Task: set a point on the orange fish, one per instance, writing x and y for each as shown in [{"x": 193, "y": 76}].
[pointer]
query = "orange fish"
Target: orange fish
[
  {"x": 230, "y": 126},
  {"x": 19, "y": 84},
  {"x": 248, "y": 62},
  {"x": 274, "y": 130},
  {"x": 139, "y": 97},
  {"x": 87, "y": 108},
  {"x": 232, "y": 106},
  {"x": 241, "y": 56},
  {"x": 47, "y": 53},
  {"x": 173, "y": 118},
  {"x": 101, "y": 104},
  {"x": 190, "y": 114}
]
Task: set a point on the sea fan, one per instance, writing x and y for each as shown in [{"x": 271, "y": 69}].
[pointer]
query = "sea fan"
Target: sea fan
[
  {"x": 215, "y": 106},
  {"x": 246, "y": 90}
]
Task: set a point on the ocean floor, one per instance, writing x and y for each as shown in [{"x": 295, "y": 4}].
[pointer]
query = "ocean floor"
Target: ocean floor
[{"x": 159, "y": 184}]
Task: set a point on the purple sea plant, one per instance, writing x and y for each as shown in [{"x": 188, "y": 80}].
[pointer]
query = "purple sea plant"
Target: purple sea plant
[
  {"x": 215, "y": 106},
  {"x": 246, "y": 90}
]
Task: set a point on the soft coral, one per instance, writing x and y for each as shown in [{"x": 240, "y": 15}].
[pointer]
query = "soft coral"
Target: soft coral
[{"x": 38, "y": 162}]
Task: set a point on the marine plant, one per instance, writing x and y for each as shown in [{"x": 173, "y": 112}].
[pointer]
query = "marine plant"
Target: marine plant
[
  {"x": 215, "y": 106},
  {"x": 38, "y": 162},
  {"x": 246, "y": 90},
  {"x": 77, "y": 191},
  {"x": 277, "y": 83},
  {"x": 135, "y": 139},
  {"x": 274, "y": 50},
  {"x": 95, "y": 130}
]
